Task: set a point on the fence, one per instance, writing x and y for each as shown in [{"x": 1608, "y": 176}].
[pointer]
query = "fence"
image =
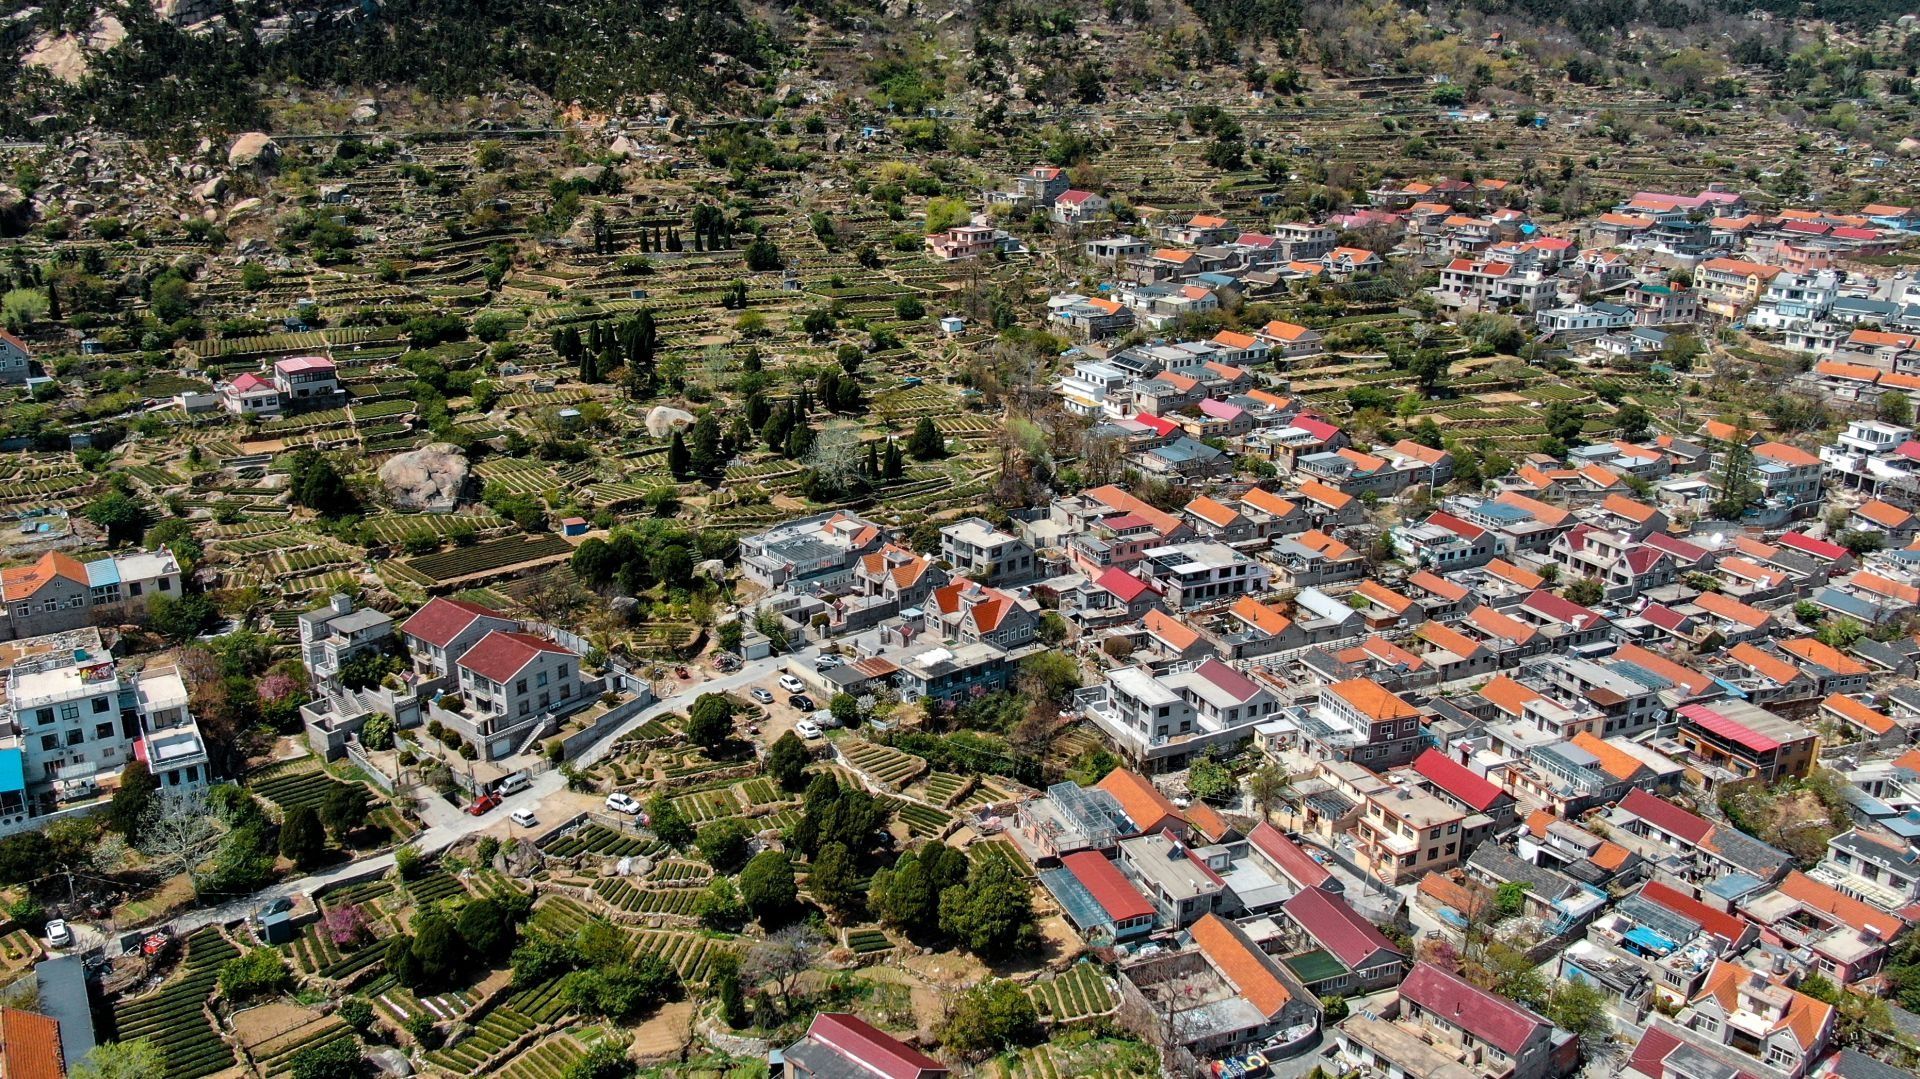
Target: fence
[{"x": 365, "y": 764}]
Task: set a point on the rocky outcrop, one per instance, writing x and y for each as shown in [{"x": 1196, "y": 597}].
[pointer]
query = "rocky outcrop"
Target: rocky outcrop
[
  {"x": 427, "y": 480},
  {"x": 253, "y": 149},
  {"x": 663, "y": 421}
]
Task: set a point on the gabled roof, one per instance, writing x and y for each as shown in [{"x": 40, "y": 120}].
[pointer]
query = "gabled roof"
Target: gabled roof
[
  {"x": 1858, "y": 714},
  {"x": 1122, "y": 584},
  {"x": 1260, "y": 616},
  {"x": 1338, "y": 927},
  {"x": 500, "y": 654},
  {"x": 1372, "y": 700},
  {"x": 1427, "y": 581},
  {"x": 1810, "y": 650},
  {"x": 1457, "y": 780},
  {"x": 1666, "y": 816},
  {"x": 1509, "y": 695},
  {"x": 1295, "y": 862},
  {"x": 870, "y": 1048},
  {"x": 1242, "y": 963},
  {"x": 30, "y": 1045},
  {"x": 442, "y": 619},
  {"x": 1843, "y": 908},
  {"x": 1493, "y": 1019},
  {"x": 19, "y": 582},
  {"x": 1108, "y": 886},
  {"x": 1614, "y": 761},
  {"x": 1139, "y": 799},
  {"x": 1807, "y": 1019},
  {"x": 1718, "y": 922},
  {"x": 1174, "y": 633}
]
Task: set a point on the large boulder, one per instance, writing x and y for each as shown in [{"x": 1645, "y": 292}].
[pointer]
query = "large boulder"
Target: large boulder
[
  {"x": 428, "y": 480},
  {"x": 663, "y": 421},
  {"x": 251, "y": 149}
]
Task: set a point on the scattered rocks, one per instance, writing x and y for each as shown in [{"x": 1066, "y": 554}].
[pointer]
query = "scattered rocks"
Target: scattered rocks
[
  {"x": 392, "y": 1062},
  {"x": 426, "y": 480}
]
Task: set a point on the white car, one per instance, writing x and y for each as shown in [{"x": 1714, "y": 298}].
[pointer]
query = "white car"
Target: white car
[
  {"x": 59, "y": 934},
  {"x": 791, "y": 684},
  {"x": 761, "y": 694},
  {"x": 623, "y": 803},
  {"x": 807, "y": 728},
  {"x": 524, "y": 818}
]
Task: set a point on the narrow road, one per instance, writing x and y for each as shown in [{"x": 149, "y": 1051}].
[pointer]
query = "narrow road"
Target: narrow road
[{"x": 448, "y": 825}]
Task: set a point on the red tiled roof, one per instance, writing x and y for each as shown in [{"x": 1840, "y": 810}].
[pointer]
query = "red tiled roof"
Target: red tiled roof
[
  {"x": 441, "y": 620},
  {"x": 1243, "y": 964},
  {"x": 1819, "y": 548},
  {"x": 1494, "y": 1020},
  {"x": 1649, "y": 1057},
  {"x": 1718, "y": 922},
  {"x": 1666, "y": 816},
  {"x": 1288, "y": 856},
  {"x": 1337, "y": 927},
  {"x": 1122, "y": 584},
  {"x": 872, "y": 1049},
  {"x": 1456, "y": 779},
  {"x": 1729, "y": 728},
  {"x": 30, "y": 1045},
  {"x": 1108, "y": 886},
  {"x": 500, "y": 655}
]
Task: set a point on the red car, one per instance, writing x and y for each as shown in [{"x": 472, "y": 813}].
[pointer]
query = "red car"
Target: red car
[{"x": 483, "y": 805}]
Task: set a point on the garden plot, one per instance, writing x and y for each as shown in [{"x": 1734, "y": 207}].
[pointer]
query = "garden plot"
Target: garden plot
[
  {"x": 600, "y": 839},
  {"x": 560, "y": 915},
  {"x": 710, "y": 805},
  {"x": 689, "y": 953},
  {"x": 761, "y": 791},
  {"x": 884, "y": 763},
  {"x": 1101, "y": 1059},
  {"x": 865, "y": 942},
  {"x": 488, "y": 557},
  {"x": 946, "y": 788},
  {"x": 400, "y": 1003},
  {"x": 434, "y": 887},
  {"x": 504, "y": 1025},
  {"x": 275, "y": 1057},
  {"x": 623, "y": 895},
  {"x": 315, "y": 953},
  {"x": 293, "y": 785},
  {"x": 923, "y": 821},
  {"x": 175, "y": 1018},
  {"x": 548, "y": 1058},
  {"x": 1080, "y": 993},
  {"x": 1000, "y": 850},
  {"x": 681, "y": 873}
]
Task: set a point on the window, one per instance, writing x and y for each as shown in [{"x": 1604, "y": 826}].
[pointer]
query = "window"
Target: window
[
  {"x": 1706, "y": 1023},
  {"x": 165, "y": 584},
  {"x": 1779, "y": 1056},
  {"x": 99, "y": 705},
  {"x": 526, "y": 707},
  {"x": 75, "y": 737},
  {"x": 133, "y": 588},
  {"x": 103, "y": 730},
  {"x": 69, "y": 711},
  {"x": 540, "y": 678},
  {"x": 520, "y": 686},
  {"x": 44, "y": 715},
  {"x": 50, "y": 606},
  {"x": 49, "y": 742}
]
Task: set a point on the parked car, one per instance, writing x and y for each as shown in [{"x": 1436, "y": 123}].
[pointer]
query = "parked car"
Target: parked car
[
  {"x": 59, "y": 934},
  {"x": 761, "y": 694},
  {"x": 827, "y": 662},
  {"x": 524, "y": 818},
  {"x": 791, "y": 684},
  {"x": 157, "y": 941},
  {"x": 622, "y": 803},
  {"x": 484, "y": 805},
  {"x": 806, "y": 728},
  {"x": 802, "y": 702},
  {"x": 278, "y": 906}
]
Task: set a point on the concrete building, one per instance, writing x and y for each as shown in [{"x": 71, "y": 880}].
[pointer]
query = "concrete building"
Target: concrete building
[{"x": 974, "y": 548}]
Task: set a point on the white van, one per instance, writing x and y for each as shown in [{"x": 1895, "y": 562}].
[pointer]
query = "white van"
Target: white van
[{"x": 513, "y": 784}]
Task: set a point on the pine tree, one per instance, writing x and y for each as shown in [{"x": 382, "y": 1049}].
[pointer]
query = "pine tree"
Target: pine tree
[
  {"x": 673, "y": 239},
  {"x": 758, "y": 410},
  {"x": 926, "y": 443},
  {"x": 589, "y": 368},
  {"x": 873, "y": 460},
  {"x": 894, "y": 467},
  {"x": 679, "y": 461},
  {"x": 53, "y": 304}
]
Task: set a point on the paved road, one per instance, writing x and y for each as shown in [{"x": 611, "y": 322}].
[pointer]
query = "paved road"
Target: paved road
[{"x": 448, "y": 825}]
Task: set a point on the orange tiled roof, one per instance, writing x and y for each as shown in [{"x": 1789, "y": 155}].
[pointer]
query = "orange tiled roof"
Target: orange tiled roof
[
  {"x": 1806, "y": 1018},
  {"x": 1763, "y": 663},
  {"x": 1241, "y": 963},
  {"x": 1260, "y": 616},
  {"x": 1509, "y": 695},
  {"x": 1139, "y": 799},
  {"x": 1316, "y": 491},
  {"x": 1858, "y": 714},
  {"x": 1177, "y": 634},
  {"x": 1372, "y": 700},
  {"x": 1617, "y": 763},
  {"x": 1813, "y": 651},
  {"x": 19, "y": 582}
]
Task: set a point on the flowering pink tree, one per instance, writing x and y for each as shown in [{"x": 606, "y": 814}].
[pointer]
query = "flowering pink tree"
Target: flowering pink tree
[
  {"x": 277, "y": 687},
  {"x": 345, "y": 926}
]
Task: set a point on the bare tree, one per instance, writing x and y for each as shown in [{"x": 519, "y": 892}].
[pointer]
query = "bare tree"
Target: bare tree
[
  {"x": 836, "y": 456},
  {"x": 179, "y": 833},
  {"x": 781, "y": 959}
]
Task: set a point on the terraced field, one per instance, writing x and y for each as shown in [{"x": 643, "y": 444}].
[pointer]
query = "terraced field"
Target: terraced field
[
  {"x": 1081, "y": 993},
  {"x": 276, "y": 1057},
  {"x": 690, "y": 953},
  {"x": 884, "y": 763},
  {"x": 600, "y": 839},
  {"x": 623, "y": 895},
  {"x": 1001, "y": 850},
  {"x": 503, "y": 1026},
  {"x": 293, "y": 785},
  {"x": 174, "y": 1017}
]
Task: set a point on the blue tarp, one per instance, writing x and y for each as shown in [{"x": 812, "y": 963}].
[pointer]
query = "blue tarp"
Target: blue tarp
[
  {"x": 13, "y": 772},
  {"x": 1648, "y": 939}
]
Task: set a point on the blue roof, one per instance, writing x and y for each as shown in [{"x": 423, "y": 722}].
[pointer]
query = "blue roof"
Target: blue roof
[
  {"x": 1501, "y": 512},
  {"x": 103, "y": 571},
  {"x": 1735, "y": 885},
  {"x": 1847, "y": 603},
  {"x": 1079, "y": 904},
  {"x": 1629, "y": 669},
  {"x": 13, "y": 772}
]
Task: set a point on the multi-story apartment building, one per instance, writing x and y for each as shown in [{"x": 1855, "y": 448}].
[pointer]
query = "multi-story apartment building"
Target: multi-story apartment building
[
  {"x": 974, "y": 548},
  {"x": 1625, "y": 707},
  {"x": 333, "y": 635},
  {"x": 1662, "y": 305},
  {"x": 1359, "y": 720},
  {"x": 1746, "y": 740},
  {"x": 306, "y": 380},
  {"x": 1406, "y": 832},
  {"x": 71, "y": 722},
  {"x": 1161, "y": 721},
  {"x": 1728, "y": 286}
]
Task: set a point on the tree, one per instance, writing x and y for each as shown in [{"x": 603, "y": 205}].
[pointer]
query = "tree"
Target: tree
[
  {"x": 319, "y": 486},
  {"x": 302, "y": 840},
  {"x": 1896, "y": 408},
  {"x": 256, "y": 972},
  {"x": 845, "y": 709},
  {"x": 834, "y": 879},
  {"x": 621, "y": 991},
  {"x": 782, "y": 960},
  {"x": 720, "y": 906},
  {"x": 1580, "y": 1007},
  {"x": 907, "y": 896},
  {"x": 724, "y": 845},
  {"x": 1586, "y": 591},
  {"x": 992, "y": 1017},
  {"x": 1269, "y": 785},
  {"x": 1209, "y": 780},
  {"x": 134, "y": 799},
  {"x": 607, "y": 1060},
  {"x": 668, "y": 822},
  {"x": 123, "y": 519},
  {"x": 489, "y": 927},
  {"x": 786, "y": 762},
  {"x": 336, "y": 1059},
  {"x": 992, "y": 914},
  {"x": 767, "y": 886},
  {"x": 926, "y": 443},
  {"x": 439, "y": 956},
  {"x": 1510, "y": 898},
  {"x": 1428, "y": 367},
  {"x": 710, "y": 721},
  {"x": 1736, "y": 478},
  {"x": 135, "y": 1059},
  {"x": 345, "y": 808},
  {"x": 1634, "y": 422},
  {"x": 944, "y": 212},
  {"x": 679, "y": 461}
]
